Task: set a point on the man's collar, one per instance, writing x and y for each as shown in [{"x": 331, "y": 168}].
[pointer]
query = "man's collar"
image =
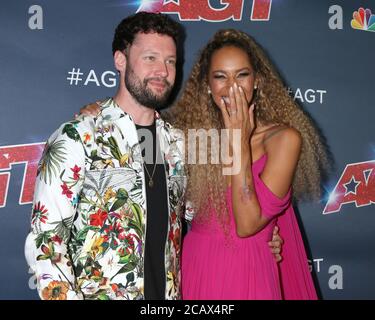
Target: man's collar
[{"x": 111, "y": 110}]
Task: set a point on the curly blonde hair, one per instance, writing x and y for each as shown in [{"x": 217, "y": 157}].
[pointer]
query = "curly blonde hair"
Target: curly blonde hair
[{"x": 195, "y": 110}]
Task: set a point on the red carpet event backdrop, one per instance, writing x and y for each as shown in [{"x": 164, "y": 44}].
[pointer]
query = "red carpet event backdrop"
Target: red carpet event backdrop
[{"x": 56, "y": 57}]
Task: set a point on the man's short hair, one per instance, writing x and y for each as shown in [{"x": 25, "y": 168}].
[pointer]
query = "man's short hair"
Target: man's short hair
[{"x": 145, "y": 22}]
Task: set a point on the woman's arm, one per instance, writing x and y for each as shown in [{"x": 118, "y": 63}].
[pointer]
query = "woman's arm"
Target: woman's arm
[{"x": 282, "y": 150}]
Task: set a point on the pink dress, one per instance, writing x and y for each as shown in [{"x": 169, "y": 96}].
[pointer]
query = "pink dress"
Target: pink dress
[{"x": 216, "y": 266}]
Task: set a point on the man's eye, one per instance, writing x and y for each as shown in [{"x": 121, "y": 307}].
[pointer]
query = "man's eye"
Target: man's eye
[
  {"x": 171, "y": 62},
  {"x": 150, "y": 58}
]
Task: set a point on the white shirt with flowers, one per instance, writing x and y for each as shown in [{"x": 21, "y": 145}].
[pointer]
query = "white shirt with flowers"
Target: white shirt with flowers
[{"x": 87, "y": 238}]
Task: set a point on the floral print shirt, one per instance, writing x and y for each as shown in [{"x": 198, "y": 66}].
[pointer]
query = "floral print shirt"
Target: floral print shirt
[{"x": 87, "y": 238}]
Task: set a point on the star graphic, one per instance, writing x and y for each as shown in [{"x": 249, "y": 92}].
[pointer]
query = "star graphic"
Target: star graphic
[
  {"x": 367, "y": 174},
  {"x": 177, "y": 2},
  {"x": 351, "y": 186},
  {"x": 150, "y": 5}
]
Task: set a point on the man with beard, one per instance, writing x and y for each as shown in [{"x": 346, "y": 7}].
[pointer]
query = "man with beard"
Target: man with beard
[{"x": 106, "y": 215}]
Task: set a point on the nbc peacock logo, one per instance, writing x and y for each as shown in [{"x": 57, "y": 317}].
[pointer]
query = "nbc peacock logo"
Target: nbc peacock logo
[{"x": 364, "y": 20}]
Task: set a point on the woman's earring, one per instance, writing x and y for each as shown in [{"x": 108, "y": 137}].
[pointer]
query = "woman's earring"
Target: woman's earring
[{"x": 209, "y": 91}]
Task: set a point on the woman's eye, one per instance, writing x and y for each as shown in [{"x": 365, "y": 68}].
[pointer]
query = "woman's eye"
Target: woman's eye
[
  {"x": 245, "y": 74},
  {"x": 218, "y": 76}
]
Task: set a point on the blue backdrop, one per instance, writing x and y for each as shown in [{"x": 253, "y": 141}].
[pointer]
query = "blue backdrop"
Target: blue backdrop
[{"x": 55, "y": 56}]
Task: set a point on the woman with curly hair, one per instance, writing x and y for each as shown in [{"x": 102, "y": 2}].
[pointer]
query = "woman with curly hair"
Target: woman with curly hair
[{"x": 225, "y": 255}]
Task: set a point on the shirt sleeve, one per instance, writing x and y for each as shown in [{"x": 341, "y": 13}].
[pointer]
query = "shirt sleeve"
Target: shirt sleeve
[{"x": 58, "y": 185}]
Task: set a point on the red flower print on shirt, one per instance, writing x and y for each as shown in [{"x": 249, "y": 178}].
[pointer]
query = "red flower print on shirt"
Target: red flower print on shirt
[
  {"x": 76, "y": 171},
  {"x": 40, "y": 213},
  {"x": 66, "y": 191},
  {"x": 98, "y": 218},
  {"x": 57, "y": 239}
]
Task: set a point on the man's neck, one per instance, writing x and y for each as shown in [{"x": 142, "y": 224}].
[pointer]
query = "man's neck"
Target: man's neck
[{"x": 141, "y": 115}]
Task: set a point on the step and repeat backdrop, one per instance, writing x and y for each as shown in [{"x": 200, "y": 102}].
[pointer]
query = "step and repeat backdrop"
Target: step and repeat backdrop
[{"x": 55, "y": 57}]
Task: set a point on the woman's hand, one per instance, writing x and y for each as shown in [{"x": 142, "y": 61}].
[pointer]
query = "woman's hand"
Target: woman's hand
[
  {"x": 237, "y": 115},
  {"x": 246, "y": 208}
]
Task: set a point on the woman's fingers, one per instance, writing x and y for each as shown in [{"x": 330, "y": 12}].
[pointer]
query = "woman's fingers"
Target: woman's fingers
[
  {"x": 238, "y": 101},
  {"x": 236, "y": 109},
  {"x": 251, "y": 116},
  {"x": 232, "y": 104},
  {"x": 224, "y": 112},
  {"x": 244, "y": 103}
]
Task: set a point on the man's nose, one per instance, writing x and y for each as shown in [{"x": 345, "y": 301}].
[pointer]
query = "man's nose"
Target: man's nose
[{"x": 161, "y": 69}]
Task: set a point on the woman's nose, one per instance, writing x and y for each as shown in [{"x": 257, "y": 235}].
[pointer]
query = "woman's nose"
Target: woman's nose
[{"x": 231, "y": 83}]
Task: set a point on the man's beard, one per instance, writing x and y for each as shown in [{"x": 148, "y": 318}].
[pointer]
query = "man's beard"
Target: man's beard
[{"x": 144, "y": 95}]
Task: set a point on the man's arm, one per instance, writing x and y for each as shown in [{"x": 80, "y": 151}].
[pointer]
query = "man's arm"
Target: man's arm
[
  {"x": 276, "y": 244},
  {"x": 58, "y": 185}
]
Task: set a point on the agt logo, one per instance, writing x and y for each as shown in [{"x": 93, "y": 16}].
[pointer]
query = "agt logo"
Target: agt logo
[
  {"x": 197, "y": 10},
  {"x": 26, "y": 154},
  {"x": 363, "y": 20},
  {"x": 356, "y": 185}
]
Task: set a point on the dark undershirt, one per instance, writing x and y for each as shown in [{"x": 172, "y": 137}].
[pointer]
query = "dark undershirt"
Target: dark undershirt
[{"x": 156, "y": 221}]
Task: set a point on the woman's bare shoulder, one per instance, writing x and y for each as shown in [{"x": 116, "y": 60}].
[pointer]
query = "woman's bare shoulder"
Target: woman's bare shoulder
[{"x": 282, "y": 138}]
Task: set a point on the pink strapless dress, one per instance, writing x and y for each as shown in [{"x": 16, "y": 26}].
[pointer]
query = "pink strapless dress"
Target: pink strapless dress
[{"x": 216, "y": 266}]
